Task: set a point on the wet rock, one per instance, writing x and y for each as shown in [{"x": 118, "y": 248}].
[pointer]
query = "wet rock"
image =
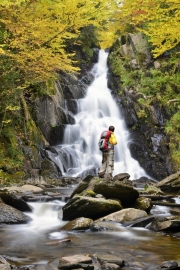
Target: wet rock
[
  {"x": 110, "y": 266},
  {"x": 169, "y": 265},
  {"x": 15, "y": 202},
  {"x": 171, "y": 223},
  {"x": 10, "y": 215},
  {"x": 125, "y": 215},
  {"x": 144, "y": 204},
  {"x": 76, "y": 261},
  {"x": 121, "y": 176},
  {"x": 103, "y": 259},
  {"x": 152, "y": 190},
  {"x": 142, "y": 222},
  {"x": 117, "y": 190},
  {"x": 89, "y": 207},
  {"x": 83, "y": 185},
  {"x": 22, "y": 189},
  {"x": 4, "y": 265},
  {"x": 170, "y": 184},
  {"x": 142, "y": 182},
  {"x": 49, "y": 169},
  {"x": 106, "y": 226},
  {"x": 77, "y": 224}
]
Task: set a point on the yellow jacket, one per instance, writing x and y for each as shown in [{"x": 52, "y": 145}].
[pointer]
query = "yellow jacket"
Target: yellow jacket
[{"x": 112, "y": 139}]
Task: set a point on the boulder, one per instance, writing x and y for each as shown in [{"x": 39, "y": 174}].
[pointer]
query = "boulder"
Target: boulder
[
  {"x": 170, "y": 184},
  {"x": 84, "y": 184},
  {"x": 169, "y": 265},
  {"x": 14, "y": 201},
  {"x": 10, "y": 215},
  {"x": 106, "y": 226},
  {"x": 143, "y": 203},
  {"x": 125, "y": 215},
  {"x": 78, "y": 224},
  {"x": 117, "y": 190},
  {"x": 171, "y": 223},
  {"x": 121, "y": 177},
  {"x": 103, "y": 259},
  {"x": 22, "y": 189},
  {"x": 89, "y": 207},
  {"x": 75, "y": 261},
  {"x": 120, "y": 188}
]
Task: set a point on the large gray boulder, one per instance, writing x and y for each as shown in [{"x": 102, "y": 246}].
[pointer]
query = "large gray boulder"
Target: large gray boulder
[
  {"x": 10, "y": 215},
  {"x": 81, "y": 206},
  {"x": 125, "y": 215}
]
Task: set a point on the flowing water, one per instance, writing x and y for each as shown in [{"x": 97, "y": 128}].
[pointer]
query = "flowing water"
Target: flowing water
[
  {"x": 41, "y": 241},
  {"x": 79, "y": 154}
]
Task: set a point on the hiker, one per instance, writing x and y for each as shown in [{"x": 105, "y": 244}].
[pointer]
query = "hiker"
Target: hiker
[{"x": 108, "y": 140}]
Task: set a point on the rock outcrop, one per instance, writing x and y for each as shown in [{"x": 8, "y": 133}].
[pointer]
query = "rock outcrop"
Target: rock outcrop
[{"x": 149, "y": 142}]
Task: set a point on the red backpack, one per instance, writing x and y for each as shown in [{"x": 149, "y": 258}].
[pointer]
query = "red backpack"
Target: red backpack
[{"x": 103, "y": 143}]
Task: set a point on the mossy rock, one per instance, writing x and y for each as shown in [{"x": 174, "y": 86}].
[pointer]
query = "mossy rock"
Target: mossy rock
[{"x": 7, "y": 179}]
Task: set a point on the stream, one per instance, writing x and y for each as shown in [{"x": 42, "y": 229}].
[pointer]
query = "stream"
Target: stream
[{"x": 41, "y": 242}]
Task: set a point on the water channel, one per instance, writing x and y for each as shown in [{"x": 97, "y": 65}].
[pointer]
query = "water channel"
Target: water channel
[{"x": 42, "y": 242}]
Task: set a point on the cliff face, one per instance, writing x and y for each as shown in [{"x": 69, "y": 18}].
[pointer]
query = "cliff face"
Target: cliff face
[
  {"x": 150, "y": 144},
  {"x": 51, "y": 113}
]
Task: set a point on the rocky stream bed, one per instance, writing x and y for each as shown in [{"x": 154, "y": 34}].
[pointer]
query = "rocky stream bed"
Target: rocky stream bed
[{"x": 91, "y": 223}]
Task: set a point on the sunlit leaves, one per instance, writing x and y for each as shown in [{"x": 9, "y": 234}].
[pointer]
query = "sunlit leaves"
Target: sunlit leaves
[
  {"x": 158, "y": 19},
  {"x": 38, "y": 31}
]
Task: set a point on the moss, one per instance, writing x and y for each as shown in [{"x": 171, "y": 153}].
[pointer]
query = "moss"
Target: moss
[
  {"x": 88, "y": 193},
  {"x": 7, "y": 179}
]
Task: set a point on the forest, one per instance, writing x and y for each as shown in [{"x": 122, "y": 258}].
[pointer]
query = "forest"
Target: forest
[{"x": 37, "y": 40}]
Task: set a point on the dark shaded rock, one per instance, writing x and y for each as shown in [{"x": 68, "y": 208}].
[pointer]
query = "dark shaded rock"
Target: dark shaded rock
[
  {"x": 89, "y": 207},
  {"x": 49, "y": 169},
  {"x": 10, "y": 215},
  {"x": 77, "y": 224},
  {"x": 15, "y": 202},
  {"x": 142, "y": 222}
]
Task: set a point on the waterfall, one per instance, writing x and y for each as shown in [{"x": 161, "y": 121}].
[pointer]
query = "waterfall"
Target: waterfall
[{"x": 79, "y": 154}]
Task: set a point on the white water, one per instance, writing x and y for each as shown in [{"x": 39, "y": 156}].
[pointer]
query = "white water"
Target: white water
[{"x": 79, "y": 153}]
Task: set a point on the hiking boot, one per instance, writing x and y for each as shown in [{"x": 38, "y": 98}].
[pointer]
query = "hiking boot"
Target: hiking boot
[{"x": 101, "y": 175}]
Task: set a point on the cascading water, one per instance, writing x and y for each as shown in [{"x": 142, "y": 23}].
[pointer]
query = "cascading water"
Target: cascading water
[{"x": 79, "y": 154}]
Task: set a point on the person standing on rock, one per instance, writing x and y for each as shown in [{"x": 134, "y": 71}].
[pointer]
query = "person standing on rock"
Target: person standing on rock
[{"x": 106, "y": 145}]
